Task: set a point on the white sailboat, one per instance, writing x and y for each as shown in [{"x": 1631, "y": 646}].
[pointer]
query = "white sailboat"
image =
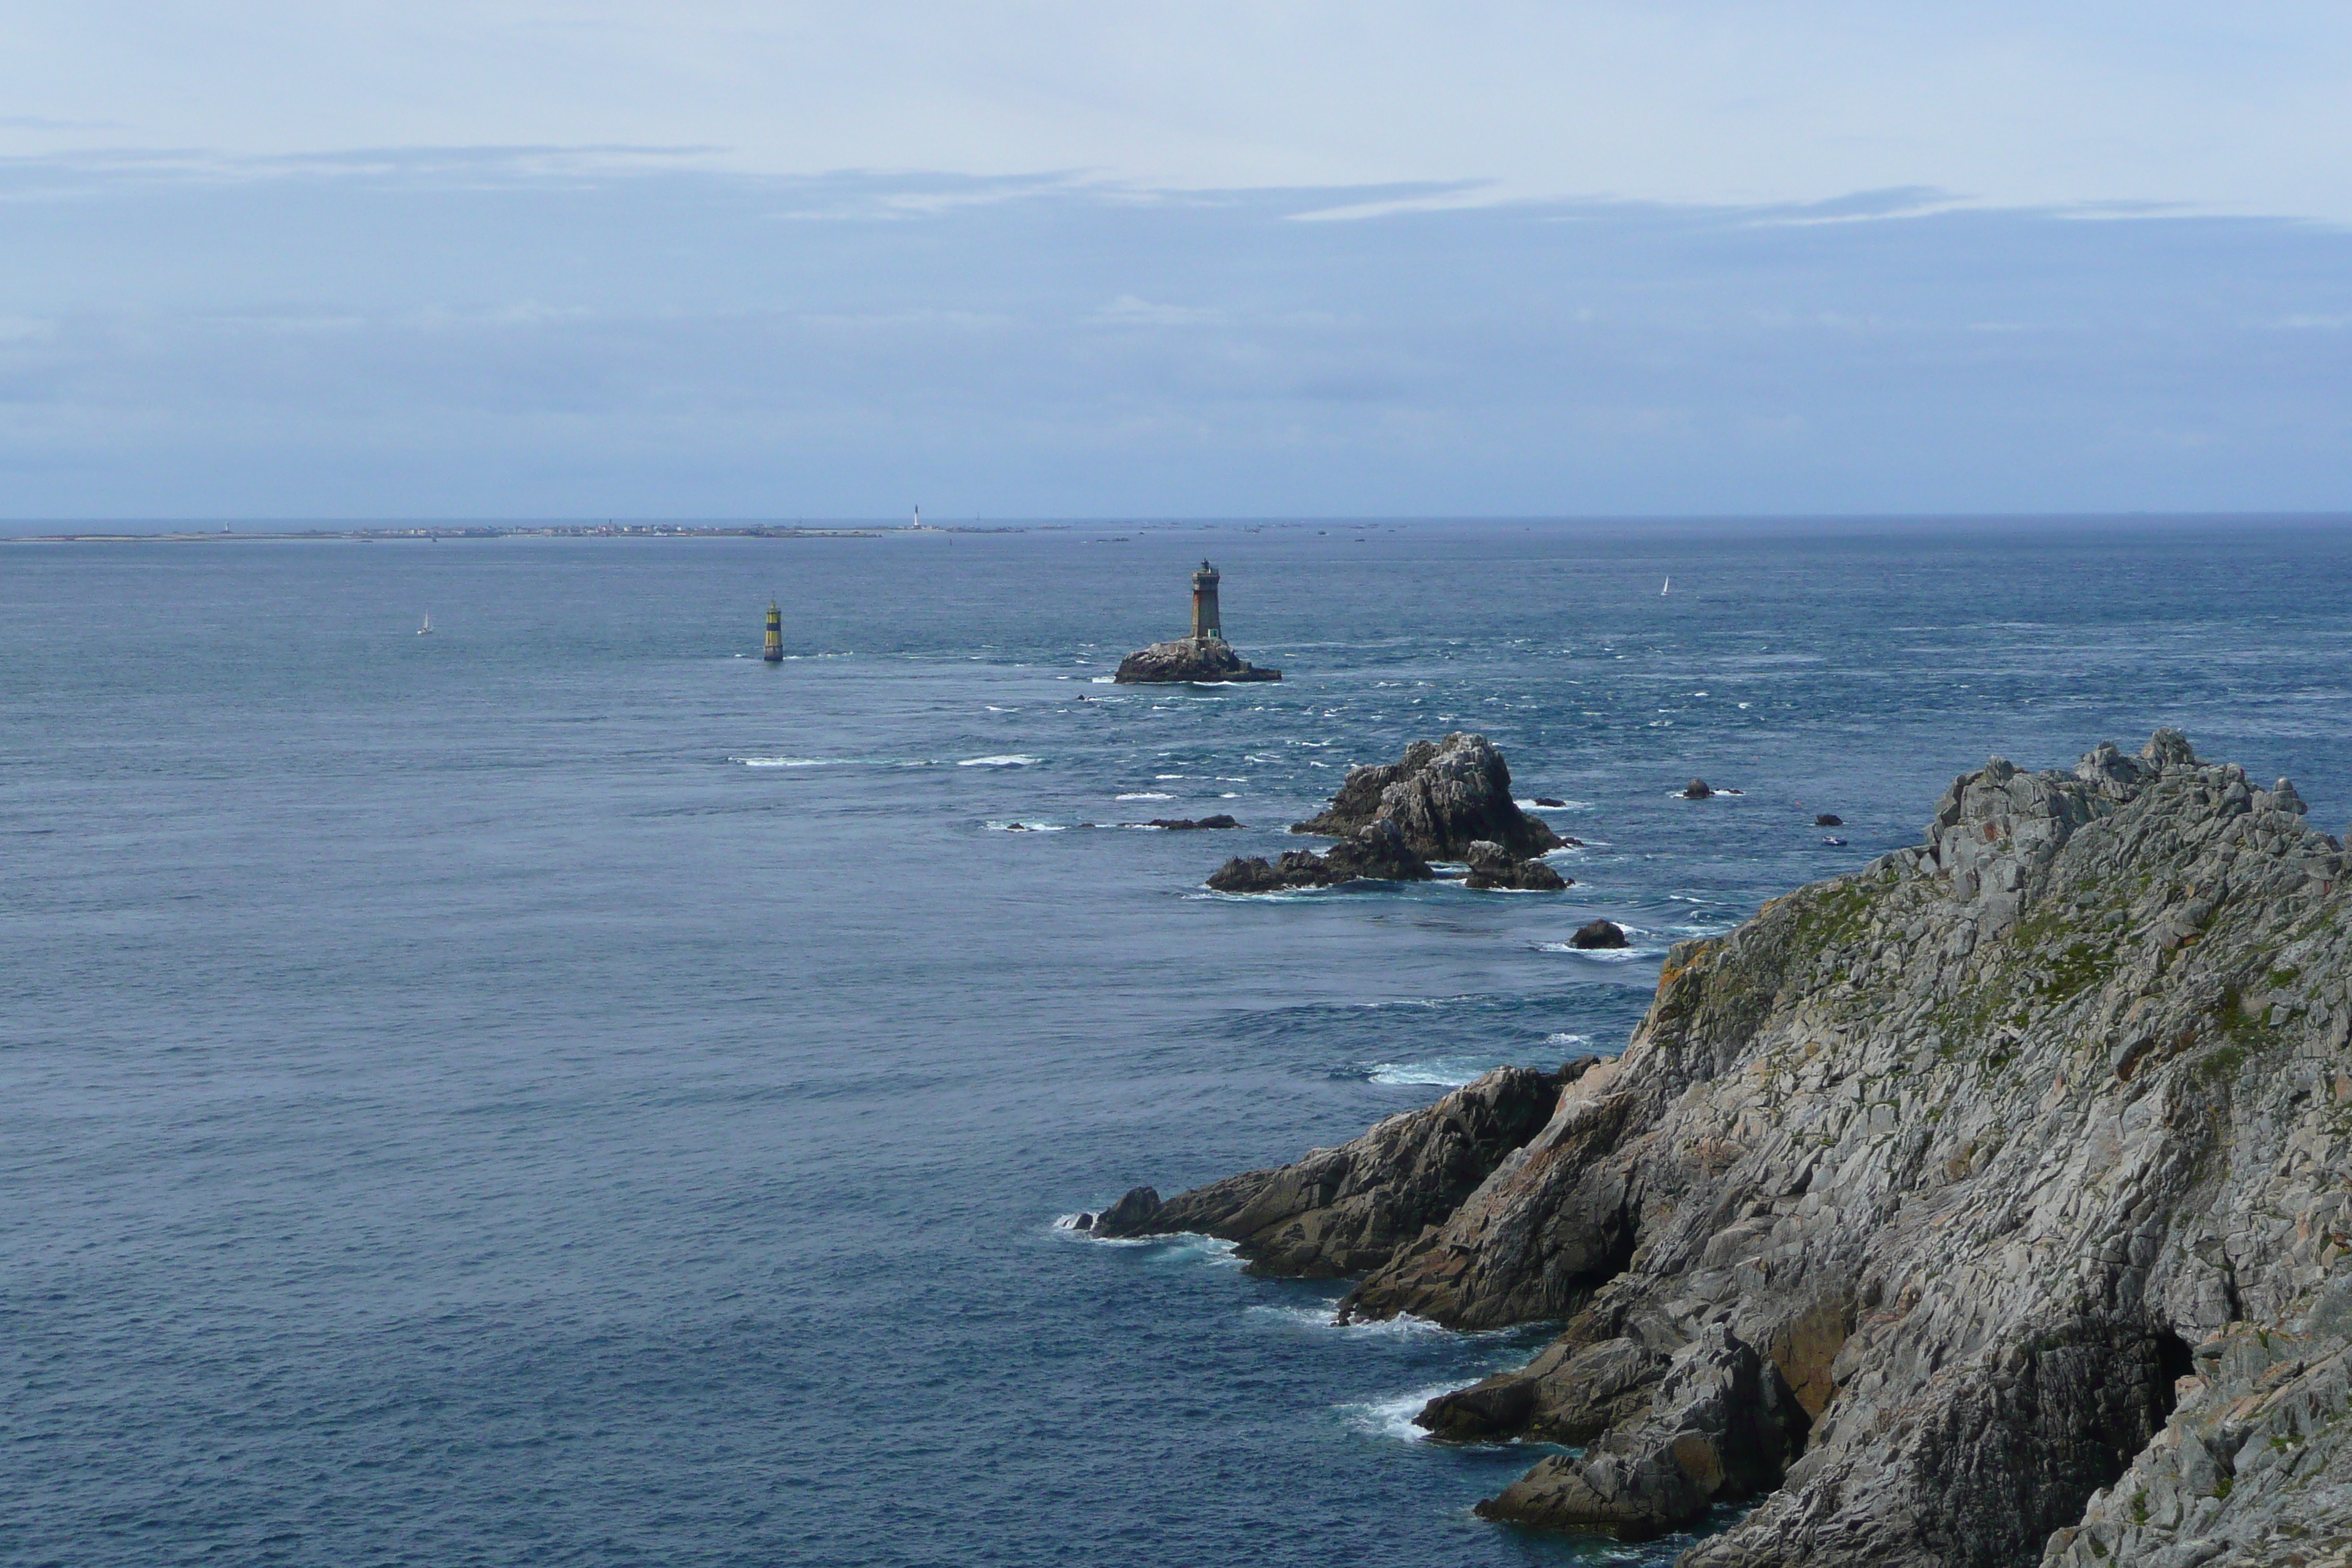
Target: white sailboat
[
  {"x": 427, "y": 627},
  {"x": 1661, "y": 592}
]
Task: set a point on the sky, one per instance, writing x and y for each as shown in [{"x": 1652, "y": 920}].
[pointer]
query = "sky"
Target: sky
[{"x": 1039, "y": 260}]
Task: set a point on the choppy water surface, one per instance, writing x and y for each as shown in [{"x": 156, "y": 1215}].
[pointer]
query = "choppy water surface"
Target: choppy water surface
[{"x": 559, "y": 1091}]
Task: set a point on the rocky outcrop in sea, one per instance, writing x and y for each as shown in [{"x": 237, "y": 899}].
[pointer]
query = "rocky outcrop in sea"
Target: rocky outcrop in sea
[
  {"x": 1204, "y": 659},
  {"x": 1378, "y": 853},
  {"x": 1985, "y": 1207},
  {"x": 1492, "y": 865},
  {"x": 1443, "y": 795},
  {"x": 1599, "y": 934}
]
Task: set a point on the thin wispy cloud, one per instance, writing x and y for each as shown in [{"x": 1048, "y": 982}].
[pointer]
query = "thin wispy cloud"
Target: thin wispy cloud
[
  {"x": 581, "y": 256},
  {"x": 499, "y": 333}
]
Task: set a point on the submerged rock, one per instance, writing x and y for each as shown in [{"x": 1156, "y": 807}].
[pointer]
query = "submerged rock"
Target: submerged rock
[
  {"x": 1985, "y": 1206},
  {"x": 1377, "y": 854},
  {"x": 1696, "y": 790},
  {"x": 1545, "y": 800},
  {"x": 1191, "y": 824},
  {"x": 1444, "y": 796},
  {"x": 1342, "y": 1211},
  {"x": 1599, "y": 934},
  {"x": 1204, "y": 659},
  {"x": 1829, "y": 819},
  {"x": 1492, "y": 865}
]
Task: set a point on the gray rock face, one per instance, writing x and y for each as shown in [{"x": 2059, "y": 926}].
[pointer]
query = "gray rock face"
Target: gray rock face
[
  {"x": 1719, "y": 1426},
  {"x": 2015, "y": 1162},
  {"x": 1492, "y": 865},
  {"x": 1205, "y": 660},
  {"x": 1377, "y": 854},
  {"x": 1342, "y": 1211},
  {"x": 1443, "y": 795}
]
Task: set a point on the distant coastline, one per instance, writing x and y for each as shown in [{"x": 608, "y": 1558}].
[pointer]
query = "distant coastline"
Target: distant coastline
[{"x": 426, "y": 534}]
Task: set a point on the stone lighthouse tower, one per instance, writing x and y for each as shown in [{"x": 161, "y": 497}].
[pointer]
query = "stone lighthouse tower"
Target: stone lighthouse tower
[
  {"x": 1205, "y": 656},
  {"x": 1206, "y": 628}
]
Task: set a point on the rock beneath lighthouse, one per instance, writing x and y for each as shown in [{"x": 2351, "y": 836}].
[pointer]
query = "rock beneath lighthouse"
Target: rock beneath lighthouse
[{"x": 1204, "y": 659}]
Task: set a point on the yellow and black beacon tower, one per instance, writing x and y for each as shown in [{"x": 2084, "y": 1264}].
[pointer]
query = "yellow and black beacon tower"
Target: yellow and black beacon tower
[
  {"x": 1206, "y": 628},
  {"x": 774, "y": 652}
]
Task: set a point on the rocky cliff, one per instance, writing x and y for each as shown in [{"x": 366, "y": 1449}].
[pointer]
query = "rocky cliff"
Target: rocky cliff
[{"x": 1987, "y": 1206}]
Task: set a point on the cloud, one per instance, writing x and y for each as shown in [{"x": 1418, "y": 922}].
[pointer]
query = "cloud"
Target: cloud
[
  {"x": 617, "y": 329},
  {"x": 1126, "y": 310},
  {"x": 2236, "y": 110}
]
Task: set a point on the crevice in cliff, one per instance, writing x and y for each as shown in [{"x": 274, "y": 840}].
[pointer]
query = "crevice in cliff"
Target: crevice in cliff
[
  {"x": 1620, "y": 1239},
  {"x": 2174, "y": 1361}
]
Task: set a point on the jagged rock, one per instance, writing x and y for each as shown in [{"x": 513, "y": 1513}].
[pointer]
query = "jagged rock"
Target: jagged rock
[
  {"x": 1492, "y": 865},
  {"x": 1204, "y": 659},
  {"x": 1190, "y": 824},
  {"x": 1696, "y": 790},
  {"x": 1829, "y": 819},
  {"x": 1991, "y": 1199},
  {"x": 1599, "y": 934},
  {"x": 1971, "y": 1145},
  {"x": 1570, "y": 1393},
  {"x": 1719, "y": 1426},
  {"x": 1377, "y": 854},
  {"x": 2253, "y": 1466},
  {"x": 1444, "y": 795},
  {"x": 1341, "y": 1211}
]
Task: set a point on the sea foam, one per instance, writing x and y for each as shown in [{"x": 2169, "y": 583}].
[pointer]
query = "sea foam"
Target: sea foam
[
  {"x": 1392, "y": 1417},
  {"x": 1452, "y": 1072}
]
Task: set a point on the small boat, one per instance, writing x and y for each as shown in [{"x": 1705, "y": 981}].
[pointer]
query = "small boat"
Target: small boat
[
  {"x": 426, "y": 627},
  {"x": 1669, "y": 584}
]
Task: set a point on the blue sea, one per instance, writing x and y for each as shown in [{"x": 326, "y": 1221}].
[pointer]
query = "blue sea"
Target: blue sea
[{"x": 561, "y": 1090}]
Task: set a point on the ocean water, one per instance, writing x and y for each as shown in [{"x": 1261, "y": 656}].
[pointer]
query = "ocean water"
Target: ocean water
[{"x": 559, "y": 1090}]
